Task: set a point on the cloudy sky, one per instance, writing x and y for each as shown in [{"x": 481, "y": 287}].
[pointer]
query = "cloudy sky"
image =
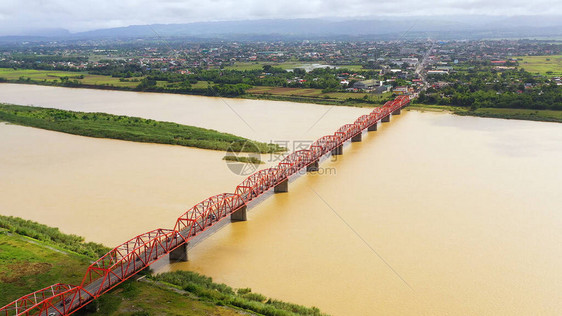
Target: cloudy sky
[{"x": 20, "y": 16}]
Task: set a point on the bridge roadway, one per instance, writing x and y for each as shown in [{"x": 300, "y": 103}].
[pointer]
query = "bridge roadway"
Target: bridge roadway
[{"x": 141, "y": 251}]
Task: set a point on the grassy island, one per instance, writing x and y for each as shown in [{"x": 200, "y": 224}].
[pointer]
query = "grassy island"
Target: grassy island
[
  {"x": 502, "y": 113},
  {"x": 121, "y": 127}
]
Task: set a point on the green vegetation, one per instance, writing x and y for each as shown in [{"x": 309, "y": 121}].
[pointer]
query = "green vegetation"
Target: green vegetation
[
  {"x": 222, "y": 294},
  {"x": 317, "y": 93},
  {"x": 143, "y": 298},
  {"x": 65, "y": 78},
  {"x": 243, "y": 66},
  {"x": 34, "y": 256},
  {"x": 252, "y": 160},
  {"x": 103, "y": 125},
  {"x": 51, "y": 236},
  {"x": 27, "y": 265},
  {"x": 484, "y": 88},
  {"x": 545, "y": 65},
  {"x": 317, "y": 96},
  {"x": 212, "y": 82},
  {"x": 517, "y": 114}
]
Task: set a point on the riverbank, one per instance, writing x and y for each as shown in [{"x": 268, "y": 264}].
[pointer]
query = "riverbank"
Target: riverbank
[
  {"x": 102, "y": 125},
  {"x": 34, "y": 256},
  {"x": 355, "y": 99},
  {"x": 502, "y": 113}
]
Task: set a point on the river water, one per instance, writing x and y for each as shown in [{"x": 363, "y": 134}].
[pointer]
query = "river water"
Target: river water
[{"x": 433, "y": 214}]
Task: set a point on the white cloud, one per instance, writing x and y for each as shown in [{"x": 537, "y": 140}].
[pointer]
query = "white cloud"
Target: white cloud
[{"x": 17, "y": 16}]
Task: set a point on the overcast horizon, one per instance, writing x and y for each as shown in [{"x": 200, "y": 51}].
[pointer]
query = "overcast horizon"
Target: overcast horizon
[{"x": 24, "y": 17}]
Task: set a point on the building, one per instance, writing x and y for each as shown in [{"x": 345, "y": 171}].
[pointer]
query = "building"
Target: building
[
  {"x": 410, "y": 61},
  {"x": 381, "y": 89},
  {"x": 437, "y": 72},
  {"x": 401, "y": 90},
  {"x": 361, "y": 85}
]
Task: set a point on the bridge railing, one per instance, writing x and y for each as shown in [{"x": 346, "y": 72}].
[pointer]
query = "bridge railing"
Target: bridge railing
[
  {"x": 257, "y": 183},
  {"x": 60, "y": 299},
  {"x": 324, "y": 145},
  {"x": 206, "y": 213},
  {"x": 293, "y": 162},
  {"x": 128, "y": 258}
]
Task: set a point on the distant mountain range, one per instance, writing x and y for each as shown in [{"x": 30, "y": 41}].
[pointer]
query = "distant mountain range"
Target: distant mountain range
[{"x": 382, "y": 28}]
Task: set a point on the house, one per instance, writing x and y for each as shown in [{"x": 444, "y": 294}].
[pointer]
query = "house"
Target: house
[
  {"x": 361, "y": 85},
  {"x": 381, "y": 89},
  {"x": 437, "y": 72},
  {"x": 410, "y": 61},
  {"x": 401, "y": 90},
  {"x": 440, "y": 84}
]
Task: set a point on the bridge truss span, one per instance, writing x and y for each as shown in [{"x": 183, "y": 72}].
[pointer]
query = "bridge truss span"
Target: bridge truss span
[
  {"x": 129, "y": 258},
  {"x": 206, "y": 213},
  {"x": 56, "y": 299}
]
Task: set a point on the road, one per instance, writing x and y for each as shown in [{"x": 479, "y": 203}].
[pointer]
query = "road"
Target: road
[{"x": 421, "y": 67}]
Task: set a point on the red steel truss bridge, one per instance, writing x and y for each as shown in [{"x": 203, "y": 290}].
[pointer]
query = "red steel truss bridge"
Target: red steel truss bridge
[{"x": 134, "y": 255}]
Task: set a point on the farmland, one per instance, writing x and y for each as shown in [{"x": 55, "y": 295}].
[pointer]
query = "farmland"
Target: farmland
[
  {"x": 55, "y": 77},
  {"x": 544, "y": 65},
  {"x": 316, "y": 94}
]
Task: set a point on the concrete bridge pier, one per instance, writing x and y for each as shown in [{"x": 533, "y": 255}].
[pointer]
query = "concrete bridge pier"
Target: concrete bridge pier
[
  {"x": 283, "y": 186},
  {"x": 179, "y": 254},
  {"x": 357, "y": 138},
  {"x": 386, "y": 119},
  {"x": 396, "y": 112},
  {"x": 239, "y": 215},
  {"x": 338, "y": 150},
  {"x": 372, "y": 128},
  {"x": 312, "y": 167}
]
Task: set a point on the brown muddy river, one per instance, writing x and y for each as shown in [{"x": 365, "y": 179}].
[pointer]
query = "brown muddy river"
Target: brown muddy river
[{"x": 433, "y": 214}]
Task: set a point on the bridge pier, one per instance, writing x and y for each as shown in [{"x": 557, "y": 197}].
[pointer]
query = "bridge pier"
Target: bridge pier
[
  {"x": 239, "y": 215},
  {"x": 312, "y": 167},
  {"x": 372, "y": 128},
  {"x": 283, "y": 186},
  {"x": 357, "y": 138},
  {"x": 386, "y": 119},
  {"x": 396, "y": 112},
  {"x": 179, "y": 254},
  {"x": 338, "y": 150}
]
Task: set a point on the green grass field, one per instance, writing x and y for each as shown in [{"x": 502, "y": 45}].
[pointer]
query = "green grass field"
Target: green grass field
[
  {"x": 517, "y": 114},
  {"x": 520, "y": 114},
  {"x": 542, "y": 64},
  {"x": 314, "y": 93},
  {"x": 139, "y": 298},
  {"x": 27, "y": 265},
  {"x": 55, "y": 75},
  {"x": 198, "y": 85},
  {"x": 201, "y": 85}
]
